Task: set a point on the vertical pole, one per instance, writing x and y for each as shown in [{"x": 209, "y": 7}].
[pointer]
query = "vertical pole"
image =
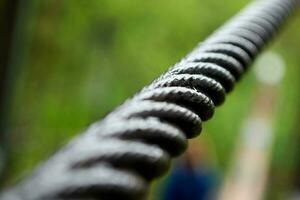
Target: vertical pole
[{"x": 248, "y": 175}]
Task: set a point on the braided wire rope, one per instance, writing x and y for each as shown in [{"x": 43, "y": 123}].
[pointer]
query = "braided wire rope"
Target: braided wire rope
[{"x": 118, "y": 157}]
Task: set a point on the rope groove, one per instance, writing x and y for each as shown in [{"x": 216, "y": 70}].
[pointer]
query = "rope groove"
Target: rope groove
[{"x": 118, "y": 157}]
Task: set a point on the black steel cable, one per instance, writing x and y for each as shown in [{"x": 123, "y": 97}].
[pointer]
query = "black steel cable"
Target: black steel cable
[{"x": 118, "y": 157}]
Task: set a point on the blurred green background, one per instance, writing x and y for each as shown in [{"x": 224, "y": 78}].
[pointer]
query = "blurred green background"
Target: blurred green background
[{"x": 74, "y": 61}]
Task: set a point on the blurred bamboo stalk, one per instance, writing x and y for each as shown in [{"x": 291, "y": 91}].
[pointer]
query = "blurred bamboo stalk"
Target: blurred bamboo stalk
[{"x": 248, "y": 174}]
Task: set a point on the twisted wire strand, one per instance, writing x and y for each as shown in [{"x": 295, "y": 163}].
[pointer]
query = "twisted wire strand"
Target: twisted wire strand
[{"x": 118, "y": 157}]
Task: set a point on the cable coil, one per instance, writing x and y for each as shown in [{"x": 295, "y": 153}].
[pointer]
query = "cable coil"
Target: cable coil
[{"x": 118, "y": 157}]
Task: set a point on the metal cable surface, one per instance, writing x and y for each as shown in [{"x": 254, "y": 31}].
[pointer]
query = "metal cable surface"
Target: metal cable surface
[{"x": 118, "y": 157}]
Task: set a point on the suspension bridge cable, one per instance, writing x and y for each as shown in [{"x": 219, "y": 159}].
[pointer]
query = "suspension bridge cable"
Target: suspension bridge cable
[{"x": 118, "y": 157}]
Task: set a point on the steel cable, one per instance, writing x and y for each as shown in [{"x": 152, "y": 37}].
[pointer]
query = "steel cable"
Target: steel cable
[{"x": 117, "y": 158}]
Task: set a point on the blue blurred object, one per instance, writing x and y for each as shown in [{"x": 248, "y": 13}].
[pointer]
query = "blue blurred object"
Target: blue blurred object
[{"x": 190, "y": 182}]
